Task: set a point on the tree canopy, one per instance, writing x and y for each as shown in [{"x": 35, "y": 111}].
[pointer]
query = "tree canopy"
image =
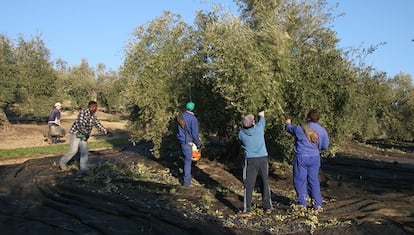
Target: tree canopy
[{"x": 278, "y": 56}]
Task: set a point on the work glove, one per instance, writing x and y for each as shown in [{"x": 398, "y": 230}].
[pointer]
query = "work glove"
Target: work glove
[
  {"x": 193, "y": 146},
  {"x": 82, "y": 136}
]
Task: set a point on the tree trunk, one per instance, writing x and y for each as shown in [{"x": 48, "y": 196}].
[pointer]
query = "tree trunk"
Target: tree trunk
[{"x": 4, "y": 122}]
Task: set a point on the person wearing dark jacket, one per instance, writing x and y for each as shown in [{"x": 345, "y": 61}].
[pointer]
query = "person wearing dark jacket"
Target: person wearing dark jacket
[
  {"x": 306, "y": 160},
  {"x": 54, "y": 121},
  {"x": 255, "y": 155},
  {"x": 188, "y": 136}
]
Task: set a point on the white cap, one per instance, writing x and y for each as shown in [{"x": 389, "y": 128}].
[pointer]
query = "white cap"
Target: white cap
[{"x": 58, "y": 104}]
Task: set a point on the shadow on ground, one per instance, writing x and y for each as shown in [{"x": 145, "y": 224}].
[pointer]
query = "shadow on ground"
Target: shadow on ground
[{"x": 131, "y": 192}]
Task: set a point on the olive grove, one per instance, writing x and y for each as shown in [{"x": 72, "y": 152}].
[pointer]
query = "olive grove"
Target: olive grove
[{"x": 280, "y": 56}]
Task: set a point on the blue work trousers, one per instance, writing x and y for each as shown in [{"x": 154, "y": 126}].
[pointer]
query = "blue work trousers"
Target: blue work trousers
[
  {"x": 306, "y": 180},
  {"x": 188, "y": 160}
]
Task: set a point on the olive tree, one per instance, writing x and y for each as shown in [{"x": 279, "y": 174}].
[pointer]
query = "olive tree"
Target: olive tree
[
  {"x": 246, "y": 60},
  {"x": 79, "y": 84},
  {"x": 8, "y": 72},
  {"x": 35, "y": 78},
  {"x": 402, "y": 106},
  {"x": 110, "y": 89},
  {"x": 158, "y": 65}
]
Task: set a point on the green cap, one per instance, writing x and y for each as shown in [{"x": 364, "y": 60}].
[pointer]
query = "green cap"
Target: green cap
[{"x": 190, "y": 106}]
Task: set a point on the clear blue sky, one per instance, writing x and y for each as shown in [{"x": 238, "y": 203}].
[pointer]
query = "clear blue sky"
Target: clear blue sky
[
  {"x": 370, "y": 22},
  {"x": 99, "y": 29}
]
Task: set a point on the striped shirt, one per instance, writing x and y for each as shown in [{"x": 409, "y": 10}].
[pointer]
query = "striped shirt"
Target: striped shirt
[{"x": 84, "y": 123}]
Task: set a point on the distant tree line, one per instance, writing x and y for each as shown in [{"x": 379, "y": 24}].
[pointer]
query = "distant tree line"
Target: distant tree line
[
  {"x": 279, "y": 56},
  {"x": 31, "y": 83}
]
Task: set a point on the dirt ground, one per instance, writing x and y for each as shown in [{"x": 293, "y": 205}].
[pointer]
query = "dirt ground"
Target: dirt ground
[
  {"x": 367, "y": 189},
  {"x": 32, "y": 134}
]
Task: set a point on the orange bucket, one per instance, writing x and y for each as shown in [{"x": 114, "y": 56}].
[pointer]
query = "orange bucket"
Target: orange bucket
[{"x": 196, "y": 155}]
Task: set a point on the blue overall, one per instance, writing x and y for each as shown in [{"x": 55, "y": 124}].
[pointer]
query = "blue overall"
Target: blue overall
[
  {"x": 190, "y": 134},
  {"x": 306, "y": 163}
]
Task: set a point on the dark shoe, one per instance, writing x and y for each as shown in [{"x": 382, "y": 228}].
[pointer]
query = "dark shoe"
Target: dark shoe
[{"x": 84, "y": 172}]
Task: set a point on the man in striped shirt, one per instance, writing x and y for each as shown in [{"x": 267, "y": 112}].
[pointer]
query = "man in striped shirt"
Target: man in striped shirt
[{"x": 79, "y": 135}]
